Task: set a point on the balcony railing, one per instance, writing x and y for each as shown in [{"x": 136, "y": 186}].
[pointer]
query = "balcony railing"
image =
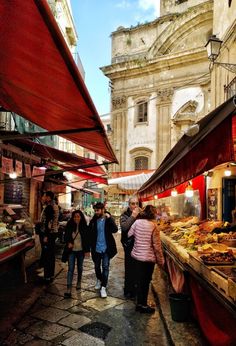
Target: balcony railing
[{"x": 230, "y": 89}]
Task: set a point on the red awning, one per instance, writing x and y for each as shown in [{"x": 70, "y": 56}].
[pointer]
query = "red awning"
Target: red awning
[
  {"x": 39, "y": 79},
  {"x": 54, "y": 155},
  {"x": 191, "y": 156}
]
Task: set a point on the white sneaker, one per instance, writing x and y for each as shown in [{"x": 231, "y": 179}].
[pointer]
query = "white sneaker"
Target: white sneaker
[
  {"x": 103, "y": 292},
  {"x": 98, "y": 285}
]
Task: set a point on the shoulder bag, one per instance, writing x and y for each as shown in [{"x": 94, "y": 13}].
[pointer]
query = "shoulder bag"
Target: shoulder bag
[{"x": 67, "y": 251}]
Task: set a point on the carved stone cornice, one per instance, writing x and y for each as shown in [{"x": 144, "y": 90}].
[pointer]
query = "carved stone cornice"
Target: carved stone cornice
[
  {"x": 118, "y": 102},
  {"x": 165, "y": 95}
]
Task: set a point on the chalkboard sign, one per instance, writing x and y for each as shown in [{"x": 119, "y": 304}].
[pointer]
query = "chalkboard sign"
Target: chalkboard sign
[{"x": 13, "y": 193}]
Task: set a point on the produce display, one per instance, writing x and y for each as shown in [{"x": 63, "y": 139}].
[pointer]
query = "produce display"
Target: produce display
[
  {"x": 218, "y": 258},
  {"x": 191, "y": 233}
]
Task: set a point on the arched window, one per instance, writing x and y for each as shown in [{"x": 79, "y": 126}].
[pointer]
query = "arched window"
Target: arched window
[
  {"x": 140, "y": 162},
  {"x": 142, "y": 112}
]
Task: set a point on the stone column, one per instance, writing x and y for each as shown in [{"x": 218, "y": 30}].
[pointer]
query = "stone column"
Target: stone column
[
  {"x": 163, "y": 138},
  {"x": 119, "y": 130}
]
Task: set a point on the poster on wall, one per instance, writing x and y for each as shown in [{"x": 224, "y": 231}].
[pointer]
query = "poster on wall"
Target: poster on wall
[{"x": 212, "y": 211}]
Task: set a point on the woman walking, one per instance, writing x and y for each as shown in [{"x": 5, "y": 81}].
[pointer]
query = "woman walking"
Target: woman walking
[
  {"x": 146, "y": 251},
  {"x": 77, "y": 239}
]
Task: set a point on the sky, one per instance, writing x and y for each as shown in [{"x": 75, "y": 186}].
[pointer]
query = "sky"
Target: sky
[{"x": 95, "y": 20}]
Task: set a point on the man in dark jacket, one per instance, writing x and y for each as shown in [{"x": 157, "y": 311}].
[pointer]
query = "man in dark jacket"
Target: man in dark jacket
[
  {"x": 49, "y": 229},
  {"x": 126, "y": 221},
  {"x": 103, "y": 245}
]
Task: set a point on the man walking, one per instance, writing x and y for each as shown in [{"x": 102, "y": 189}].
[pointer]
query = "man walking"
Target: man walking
[
  {"x": 126, "y": 221},
  {"x": 49, "y": 222},
  {"x": 103, "y": 245}
]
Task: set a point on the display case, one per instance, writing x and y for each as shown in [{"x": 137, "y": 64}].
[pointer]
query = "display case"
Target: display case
[{"x": 16, "y": 226}]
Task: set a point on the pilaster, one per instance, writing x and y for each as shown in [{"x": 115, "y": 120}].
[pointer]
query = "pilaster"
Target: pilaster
[{"x": 163, "y": 138}]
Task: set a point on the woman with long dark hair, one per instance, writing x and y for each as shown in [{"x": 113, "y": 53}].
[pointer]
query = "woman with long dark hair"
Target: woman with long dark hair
[
  {"x": 146, "y": 251},
  {"x": 77, "y": 239}
]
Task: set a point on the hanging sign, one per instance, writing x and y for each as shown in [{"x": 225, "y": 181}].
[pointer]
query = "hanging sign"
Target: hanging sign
[
  {"x": 7, "y": 165},
  {"x": 27, "y": 170},
  {"x": 38, "y": 173},
  {"x": 18, "y": 168}
]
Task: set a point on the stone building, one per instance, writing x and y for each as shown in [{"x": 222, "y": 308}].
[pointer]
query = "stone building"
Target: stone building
[
  {"x": 160, "y": 81},
  {"x": 223, "y": 70}
]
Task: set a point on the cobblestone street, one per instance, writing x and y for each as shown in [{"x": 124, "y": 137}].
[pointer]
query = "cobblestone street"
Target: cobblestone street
[{"x": 87, "y": 319}]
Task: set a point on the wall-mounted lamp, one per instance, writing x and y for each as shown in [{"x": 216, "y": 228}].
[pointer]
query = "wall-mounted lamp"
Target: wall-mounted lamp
[
  {"x": 174, "y": 193},
  {"x": 13, "y": 175},
  {"x": 189, "y": 190},
  {"x": 227, "y": 171},
  {"x": 213, "y": 46}
]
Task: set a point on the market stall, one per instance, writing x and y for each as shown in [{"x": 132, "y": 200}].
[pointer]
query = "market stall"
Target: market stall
[
  {"x": 16, "y": 236},
  {"x": 199, "y": 259}
]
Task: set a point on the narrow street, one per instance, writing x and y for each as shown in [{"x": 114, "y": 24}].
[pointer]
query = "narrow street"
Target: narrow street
[{"x": 41, "y": 316}]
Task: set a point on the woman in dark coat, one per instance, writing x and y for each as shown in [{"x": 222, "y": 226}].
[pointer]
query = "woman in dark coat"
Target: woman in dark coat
[{"x": 77, "y": 239}]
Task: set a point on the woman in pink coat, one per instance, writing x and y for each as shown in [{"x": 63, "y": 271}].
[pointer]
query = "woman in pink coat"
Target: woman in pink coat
[{"x": 146, "y": 251}]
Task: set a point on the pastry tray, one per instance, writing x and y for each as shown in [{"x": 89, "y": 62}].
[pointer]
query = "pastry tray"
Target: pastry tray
[{"x": 212, "y": 263}]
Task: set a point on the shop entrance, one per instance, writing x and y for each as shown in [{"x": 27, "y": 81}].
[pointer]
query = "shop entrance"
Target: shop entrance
[{"x": 228, "y": 198}]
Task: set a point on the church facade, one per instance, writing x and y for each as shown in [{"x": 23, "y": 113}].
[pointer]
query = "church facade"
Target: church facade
[{"x": 160, "y": 82}]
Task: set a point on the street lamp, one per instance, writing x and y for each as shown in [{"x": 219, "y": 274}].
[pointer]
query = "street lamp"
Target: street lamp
[{"x": 213, "y": 47}]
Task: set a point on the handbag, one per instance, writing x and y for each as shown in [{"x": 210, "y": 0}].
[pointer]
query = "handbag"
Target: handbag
[
  {"x": 65, "y": 254},
  {"x": 67, "y": 251}
]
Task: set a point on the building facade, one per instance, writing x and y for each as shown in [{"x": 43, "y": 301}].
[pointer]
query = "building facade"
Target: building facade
[
  {"x": 223, "y": 77},
  {"x": 160, "y": 81}
]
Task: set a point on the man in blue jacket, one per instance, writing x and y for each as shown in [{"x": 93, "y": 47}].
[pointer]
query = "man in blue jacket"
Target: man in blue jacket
[{"x": 103, "y": 245}]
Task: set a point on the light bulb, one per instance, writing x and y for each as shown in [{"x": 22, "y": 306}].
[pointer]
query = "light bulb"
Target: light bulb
[
  {"x": 13, "y": 175},
  {"x": 189, "y": 190},
  {"x": 227, "y": 172},
  {"x": 155, "y": 197},
  {"x": 174, "y": 193}
]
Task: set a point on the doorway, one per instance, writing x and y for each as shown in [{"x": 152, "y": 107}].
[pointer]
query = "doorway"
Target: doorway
[{"x": 228, "y": 198}]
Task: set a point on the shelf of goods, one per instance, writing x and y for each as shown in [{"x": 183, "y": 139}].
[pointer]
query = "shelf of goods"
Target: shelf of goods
[{"x": 198, "y": 248}]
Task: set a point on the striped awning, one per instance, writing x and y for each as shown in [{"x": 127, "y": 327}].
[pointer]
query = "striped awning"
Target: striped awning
[{"x": 131, "y": 182}]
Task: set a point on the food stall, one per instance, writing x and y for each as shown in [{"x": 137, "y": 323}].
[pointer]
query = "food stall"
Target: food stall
[
  {"x": 16, "y": 236},
  {"x": 200, "y": 248}
]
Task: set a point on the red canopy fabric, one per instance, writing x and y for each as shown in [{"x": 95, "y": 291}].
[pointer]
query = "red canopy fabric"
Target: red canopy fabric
[
  {"x": 39, "y": 79},
  {"x": 192, "y": 156},
  {"x": 48, "y": 153},
  {"x": 84, "y": 175}
]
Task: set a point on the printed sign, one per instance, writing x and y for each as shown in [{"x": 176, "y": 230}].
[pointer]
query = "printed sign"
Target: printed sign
[
  {"x": 27, "y": 170},
  {"x": 7, "y": 165}
]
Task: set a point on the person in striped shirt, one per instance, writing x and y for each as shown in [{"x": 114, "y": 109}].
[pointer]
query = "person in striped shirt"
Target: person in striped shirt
[{"x": 147, "y": 251}]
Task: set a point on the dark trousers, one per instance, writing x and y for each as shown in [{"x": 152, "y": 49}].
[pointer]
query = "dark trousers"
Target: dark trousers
[
  {"x": 101, "y": 260},
  {"x": 79, "y": 257},
  {"x": 48, "y": 255},
  {"x": 130, "y": 273},
  {"x": 144, "y": 272}
]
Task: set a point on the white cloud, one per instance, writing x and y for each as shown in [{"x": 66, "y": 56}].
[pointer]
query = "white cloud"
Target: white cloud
[
  {"x": 150, "y": 4},
  {"x": 123, "y": 4}
]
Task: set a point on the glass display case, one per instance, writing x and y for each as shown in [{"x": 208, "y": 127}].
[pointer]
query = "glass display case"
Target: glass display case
[{"x": 15, "y": 225}]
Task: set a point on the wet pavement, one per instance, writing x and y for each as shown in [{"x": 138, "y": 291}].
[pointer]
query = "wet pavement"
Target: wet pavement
[{"x": 38, "y": 315}]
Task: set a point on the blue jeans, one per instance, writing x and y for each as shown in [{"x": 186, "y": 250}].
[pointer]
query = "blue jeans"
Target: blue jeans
[
  {"x": 79, "y": 255},
  {"x": 102, "y": 259}
]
